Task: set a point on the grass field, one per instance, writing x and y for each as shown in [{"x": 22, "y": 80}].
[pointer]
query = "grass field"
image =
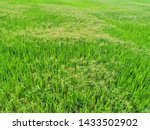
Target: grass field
[{"x": 74, "y": 56}]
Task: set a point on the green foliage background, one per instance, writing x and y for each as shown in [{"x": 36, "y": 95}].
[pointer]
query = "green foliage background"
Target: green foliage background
[{"x": 74, "y": 56}]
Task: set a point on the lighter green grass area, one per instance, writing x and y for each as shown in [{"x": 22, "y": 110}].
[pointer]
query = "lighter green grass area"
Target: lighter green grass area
[{"x": 74, "y": 56}]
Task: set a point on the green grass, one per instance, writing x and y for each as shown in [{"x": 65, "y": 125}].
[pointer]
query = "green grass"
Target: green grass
[{"x": 74, "y": 56}]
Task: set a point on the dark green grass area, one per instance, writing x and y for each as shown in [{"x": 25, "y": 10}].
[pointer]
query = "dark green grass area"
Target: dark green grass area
[{"x": 74, "y": 56}]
